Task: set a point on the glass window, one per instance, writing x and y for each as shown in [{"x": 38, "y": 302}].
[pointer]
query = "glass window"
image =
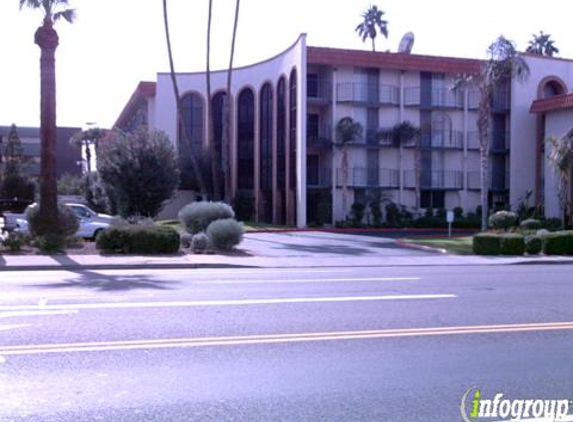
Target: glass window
[
  {"x": 245, "y": 139},
  {"x": 266, "y": 130}
]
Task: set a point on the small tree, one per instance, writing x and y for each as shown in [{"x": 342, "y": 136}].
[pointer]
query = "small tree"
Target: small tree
[
  {"x": 139, "y": 170},
  {"x": 561, "y": 160},
  {"x": 542, "y": 44},
  {"x": 14, "y": 184},
  {"x": 347, "y": 131}
]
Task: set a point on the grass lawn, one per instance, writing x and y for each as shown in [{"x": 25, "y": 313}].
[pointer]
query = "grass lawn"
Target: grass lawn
[
  {"x": 454, "y": 245},
  {"x": 249, "y": 227}
]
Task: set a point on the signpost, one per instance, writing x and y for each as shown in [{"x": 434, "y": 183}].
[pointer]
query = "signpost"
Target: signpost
[{"x": 450, "y": 220}]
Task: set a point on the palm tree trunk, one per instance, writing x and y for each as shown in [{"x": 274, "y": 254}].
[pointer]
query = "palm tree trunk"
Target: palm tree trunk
[
  {"x": 483, "y": 123},
  {"x": 215, "y": 158},
  {"x": 47, "y": 39},
  {"x": 183, "y": 134},
  {"x": 373, "y": 44},
  {"x": 227, "y": 113}
]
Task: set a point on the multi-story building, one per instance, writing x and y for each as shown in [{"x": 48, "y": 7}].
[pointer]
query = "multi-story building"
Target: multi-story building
[
  {"x": 284, "y": 149},
  {"x": 68, "y": 157}
]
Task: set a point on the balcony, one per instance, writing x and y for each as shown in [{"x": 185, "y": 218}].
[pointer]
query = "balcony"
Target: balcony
[
  {"x": 318, "y": 177},
  {"x": 318, "y": 135},
  {"x": 433, "y": 98},
  {"x": 359, "y": 177},
  {"x": 318, "y": 91},
  {"x": 367, "y": 94},
  {"x": 499, "y": 181},
  {"x": 437, "y": 179},
  {"x": 441, "y": 139},
  {"x": 499, "y": 141}
]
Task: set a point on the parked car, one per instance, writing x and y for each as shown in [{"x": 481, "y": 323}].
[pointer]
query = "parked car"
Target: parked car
[{"x": 91, "y": 223}]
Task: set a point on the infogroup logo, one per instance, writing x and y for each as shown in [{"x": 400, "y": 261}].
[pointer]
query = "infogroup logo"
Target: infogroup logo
[{"x": 474, "y": 407}]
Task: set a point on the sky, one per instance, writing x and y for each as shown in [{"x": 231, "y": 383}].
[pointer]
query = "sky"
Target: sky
[{"x": 114, "y": 44}]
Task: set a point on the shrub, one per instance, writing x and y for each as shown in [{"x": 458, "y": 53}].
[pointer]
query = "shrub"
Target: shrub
[
  {"x": 197, "y": 216},
  {"x": 376, "y": 212},
  {"x": 512, "y": 244},
  {"x": 458, "y": 213},
  {"x": 357, "y": 213},
  {"x": 530, "y": 224},
  {"x": 503, "y": 220},
  {"x": 185, "y": 240},
  {"x": 558, "y": 243},
  {"x": 14, "y": 241},
  {"x": 68, "y": 223},
  {"x": 225, "y": 234},
  {"x": 139, "y": 240},
  {"x": 244, "y": 204},
  {"x": 533, "y": 244},
  {"x": 200, "y": 242},
  {"x": 486, "y": 244},
  {"x": 552, "y": 224}
]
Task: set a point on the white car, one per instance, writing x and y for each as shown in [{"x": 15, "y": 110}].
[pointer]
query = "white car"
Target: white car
[{"x": 91, "y": 223}]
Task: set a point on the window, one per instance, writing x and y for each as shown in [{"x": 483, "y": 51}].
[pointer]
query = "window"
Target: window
[
  {"x": 245, "y": 139},
  {"x": 266, "y": 130},
  {"x": 293, "y": 128},
  {"x": 312, "y": 124},
  {"x": 432, "y": 199},
  {"x": 192, "y": 111},
  {"x": 312, "y": 170},
  {"x": 312, "y": 85},
  {"x": 281, "y": 134}
]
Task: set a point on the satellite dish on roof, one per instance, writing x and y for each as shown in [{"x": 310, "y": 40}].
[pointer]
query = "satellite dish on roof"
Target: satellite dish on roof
[{"x": 406, "y": 43}]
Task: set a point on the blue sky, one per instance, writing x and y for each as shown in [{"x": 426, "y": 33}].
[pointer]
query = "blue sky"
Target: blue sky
[{"x": 116, "y": 43}]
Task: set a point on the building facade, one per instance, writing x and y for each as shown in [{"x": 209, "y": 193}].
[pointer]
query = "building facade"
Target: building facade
[{"x": 284, "y": 150}]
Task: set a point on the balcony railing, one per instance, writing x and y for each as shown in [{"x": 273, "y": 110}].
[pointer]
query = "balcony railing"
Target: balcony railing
[
  {"x": 368, "y": 94},
  {"x": 441, "y": 139},
  {"x": 360, "y": 177},
  {"x": 499, "y": 181},
  {"x": 318, "y": 90},
  {"x": 318, "y": 135},
  {"x": 500, "y": 141},
  {"x": 433, "y": 98},
  {"x": 437, "y": 179},
  {"x": 318, "y": 177}
]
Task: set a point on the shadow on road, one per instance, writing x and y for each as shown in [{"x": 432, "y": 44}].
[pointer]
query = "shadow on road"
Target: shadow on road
[{"x": 94, "y": 280}]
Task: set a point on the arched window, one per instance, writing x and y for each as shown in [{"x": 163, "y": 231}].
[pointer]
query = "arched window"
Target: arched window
[
  {"x": 217, "y": 110},
  {"x": 281, "y": 150},
  {"x": 551, "y": 89},
  {"x": 266, "y": 130},
  {"x": 245, "y": 139},
  {"x": 293, "y": 128},
  {"x": 192, "y": 111}
]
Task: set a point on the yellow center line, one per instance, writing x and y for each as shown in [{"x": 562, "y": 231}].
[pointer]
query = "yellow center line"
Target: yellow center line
[{"x": 279, "y": 338}]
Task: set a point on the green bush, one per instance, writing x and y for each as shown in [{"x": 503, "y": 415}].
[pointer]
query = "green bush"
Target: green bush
[
  {"x": 551, "y": 224},
  {"x": 357, "y": 213},
  {"x": 458, "y": 212},
  {"x": 512, "y": 244},
  {"x": 197, "y": 216},
  {"x": 244, "y": 204},
  {"x": 487, "y": 244},
  {"x": 225, "y": 234},
  {"x": 14, "y": 241},
  {"x": 530, "y": 224},
  {"x": 68, "y": 223},
  {"x": 558, "y": 243},
  {"x": 533, "y": 244},
  {"x": 139, "y": 240},
  {"x": 503, "y": 220},
  {"x": 199, "y": 242}
]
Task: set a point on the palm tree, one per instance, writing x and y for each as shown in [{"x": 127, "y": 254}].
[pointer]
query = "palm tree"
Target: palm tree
[
  {"x": 561, "y": 159},
  {"x": 46, "y": 38},
  {"x": 227, "y": 130},
  {"x": 347, "y": 132},
  {"x": 215, "y": 158},
  {"x": 504, "y": 64},
  {"x": 542, "y": 44},
  {"x": 85, "y": 141},
  {"x": 183, "y": 133},
  {"x": 372, "y": 22}
]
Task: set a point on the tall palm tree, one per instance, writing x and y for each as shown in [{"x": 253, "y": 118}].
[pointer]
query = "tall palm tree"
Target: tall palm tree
[
  {"x": 215, "y": 158},
  {"x": 372, "y": 22},
  {"x": 542, "y": 44},
  {"x": 561, "y": 160},
  {"x": 347, "y": 132},
  {"x": 504, "y": 64},
  {"x": 192, "y": 156},
  {"x": 46, "y": 38},
  {"x": 227, "y": 130}
]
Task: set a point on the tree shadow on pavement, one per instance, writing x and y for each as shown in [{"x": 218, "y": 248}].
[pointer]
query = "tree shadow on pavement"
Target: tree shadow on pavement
[{"x": 94, "y": 280}]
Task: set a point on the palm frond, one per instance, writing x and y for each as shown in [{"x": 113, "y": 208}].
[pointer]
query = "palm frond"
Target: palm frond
[
  {"x": 32, "y": 4},
  {"x": 68, "y": 14}
]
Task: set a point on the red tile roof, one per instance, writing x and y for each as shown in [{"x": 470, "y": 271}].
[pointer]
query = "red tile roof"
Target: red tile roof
[
  {"x": 143, "y": 91},
  {"x": 559, "y": 102},
  {"x": 399, "y": 61}
]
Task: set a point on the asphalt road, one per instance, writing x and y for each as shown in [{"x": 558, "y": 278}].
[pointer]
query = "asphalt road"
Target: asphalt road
[{"x": 344, "y": 344}]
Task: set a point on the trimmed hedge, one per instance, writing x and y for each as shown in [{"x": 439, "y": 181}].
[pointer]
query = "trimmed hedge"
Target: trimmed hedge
[
  {"x": 197, "y": 216},
  {"x": 533, "y": 244},
  {"x": 530, "y": 224},
  {"x": 503, "y": 220},
  {"x": 512, "y": 244},
  {"x": 558, "y": 243},
  {"x": 486, "y": 244},
  {"x": 139, "y": 240}
]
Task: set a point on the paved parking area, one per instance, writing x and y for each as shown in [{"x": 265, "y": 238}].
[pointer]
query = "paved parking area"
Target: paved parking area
[{"x": 324, "y": 244}]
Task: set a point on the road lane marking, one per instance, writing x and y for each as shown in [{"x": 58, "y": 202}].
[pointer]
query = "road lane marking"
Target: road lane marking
[
  {"x": 227, "y": 302},
  {"x": 25, "y": 313},
  {"x": 278, "y": 338},
  {"x": 298, "y": 280}
]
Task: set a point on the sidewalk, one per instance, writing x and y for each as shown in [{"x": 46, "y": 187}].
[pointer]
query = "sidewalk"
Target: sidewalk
[{"x": 94, "y": 262}]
